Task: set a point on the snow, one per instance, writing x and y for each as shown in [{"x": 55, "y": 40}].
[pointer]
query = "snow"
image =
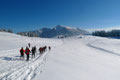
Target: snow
[
  {"x": 76, "y": 61},
  {"x": 11, "y": 67},
  {"x": 72, "y": 58}
]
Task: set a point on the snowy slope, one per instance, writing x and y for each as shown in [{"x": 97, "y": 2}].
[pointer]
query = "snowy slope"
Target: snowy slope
[
  {"x": 72, "y": 58},
  {"x": 11, "y": 67},
  {"x": 77, "y": 60}
]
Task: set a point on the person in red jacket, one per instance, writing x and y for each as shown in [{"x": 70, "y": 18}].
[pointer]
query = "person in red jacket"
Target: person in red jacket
[
  {"x": 22, "y": 51},
  {"x": 27, "y": 52}
]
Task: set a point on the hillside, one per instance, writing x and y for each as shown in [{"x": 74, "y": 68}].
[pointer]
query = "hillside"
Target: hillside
[{"x": 73, "y": 58}]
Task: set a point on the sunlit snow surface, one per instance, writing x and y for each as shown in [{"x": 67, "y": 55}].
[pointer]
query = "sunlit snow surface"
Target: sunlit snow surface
[{"x": 72, "y": 58}]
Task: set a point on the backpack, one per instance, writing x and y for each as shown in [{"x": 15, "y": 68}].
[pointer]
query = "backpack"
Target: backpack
[
  {"x": 21, "y": 50},
  {"x": 26, "y": 51}
]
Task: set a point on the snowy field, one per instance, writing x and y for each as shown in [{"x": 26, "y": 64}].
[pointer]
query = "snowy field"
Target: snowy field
[{"x": 73, "y": 58}]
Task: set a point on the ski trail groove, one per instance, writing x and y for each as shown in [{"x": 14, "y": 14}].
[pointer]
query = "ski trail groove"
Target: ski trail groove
[
  {"x": 111, "y": 52},
  {"x": 25, "y": 72}
]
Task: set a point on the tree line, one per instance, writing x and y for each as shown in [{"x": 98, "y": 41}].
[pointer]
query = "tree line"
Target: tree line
[
  {"x": 6, "y": 30},
  {"x": 103, "y": 33},
  {"x": 29, "y": 34}
]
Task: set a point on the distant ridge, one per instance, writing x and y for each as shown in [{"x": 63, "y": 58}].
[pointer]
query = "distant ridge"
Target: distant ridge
[{"x": 55, "y": 31}]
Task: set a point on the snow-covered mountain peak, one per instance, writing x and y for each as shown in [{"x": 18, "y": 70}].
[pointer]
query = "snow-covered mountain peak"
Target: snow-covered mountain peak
[
  {"x": 58, "y": 27},
  {"x": 63, "y": 27}
]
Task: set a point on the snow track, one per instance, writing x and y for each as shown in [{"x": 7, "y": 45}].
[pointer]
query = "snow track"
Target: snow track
[
  {"x": 25, "y": 71},
  {"x": 12, "y": 67},
  {"x": 102, "y": 49}
]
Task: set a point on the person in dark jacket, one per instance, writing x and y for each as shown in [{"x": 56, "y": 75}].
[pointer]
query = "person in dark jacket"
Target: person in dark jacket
[
  {"x": 35, "y": 49},
  {"x": 29, "y": 45},
  {"x": 49, "y": 48},
  {"x": 27, "y": 52},
  {"x": 33, "y": 52},
  {"x": 22, "y": 51}
]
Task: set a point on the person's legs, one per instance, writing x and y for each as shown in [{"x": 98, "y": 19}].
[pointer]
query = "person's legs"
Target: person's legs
[{"x": 27, "y": 58}]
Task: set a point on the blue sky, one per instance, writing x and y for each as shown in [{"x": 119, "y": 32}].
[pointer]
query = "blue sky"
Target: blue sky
[{"x": 24, "y": 15}]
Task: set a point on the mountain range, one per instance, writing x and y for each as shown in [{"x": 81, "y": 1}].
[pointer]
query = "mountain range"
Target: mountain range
[{"x": 55, "y": 31}]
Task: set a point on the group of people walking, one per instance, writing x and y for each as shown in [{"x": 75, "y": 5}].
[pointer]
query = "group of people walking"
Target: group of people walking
[{"x": 33, "y": 51}]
